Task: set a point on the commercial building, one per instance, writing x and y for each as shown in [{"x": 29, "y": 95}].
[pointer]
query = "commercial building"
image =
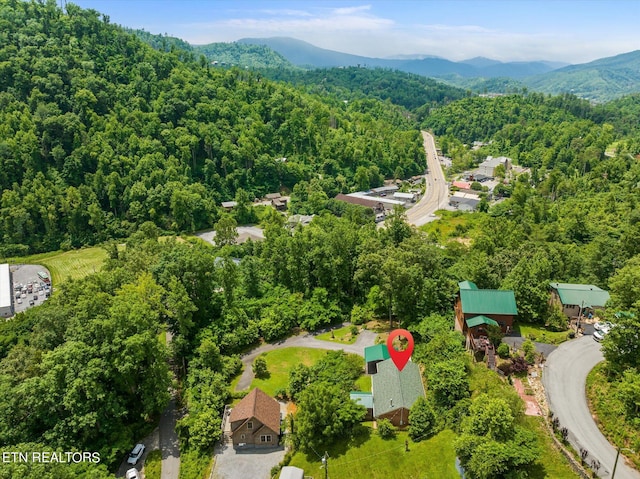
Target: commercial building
[{"x": 6, "y": 296}]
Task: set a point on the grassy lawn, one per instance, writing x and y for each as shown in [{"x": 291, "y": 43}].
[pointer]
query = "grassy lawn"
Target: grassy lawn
[
  {"x": 152, "y": 465},
  {"x": 364, "y": 383},
  {"x": 452, "y": 224},
  {"x": 610, "y": 413},
  {"x": 367, "y": 455},
  {"x": 341, "y": 335},
  {"x": 65, "y": 265},
  {"x": 280, "y": 362},
  {"x": 540, "y": 334}
]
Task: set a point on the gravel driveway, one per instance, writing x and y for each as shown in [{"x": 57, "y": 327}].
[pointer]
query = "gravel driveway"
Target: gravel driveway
[{"x": 564, "y": 379}]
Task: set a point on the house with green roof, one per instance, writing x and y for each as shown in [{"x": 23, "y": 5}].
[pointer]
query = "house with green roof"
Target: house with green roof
[
  {"x": 395, "y": 391},
  {"x": 575, "y": 299},
  {"x": 475, "y": 309},
  {"x": 373, "y": 355}
]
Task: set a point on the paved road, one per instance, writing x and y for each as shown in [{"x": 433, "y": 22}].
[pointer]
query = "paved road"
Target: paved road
[
  {"x": 436, "y": 193},
  {"x": 564, "y": 380},
  {"x": 169, "y": 442},
  {"x": 304, "y": 340}
]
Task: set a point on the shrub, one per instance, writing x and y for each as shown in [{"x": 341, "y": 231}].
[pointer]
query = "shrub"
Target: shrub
[
  {"x": 260, "y": 367},
  {"x": 519, "y": 365},
  {"x": 386, "y": 430},
  {"x": 503, "y": 350},
  {"x": 354, "y": 330},
  {"x": 529, "y": 350}
]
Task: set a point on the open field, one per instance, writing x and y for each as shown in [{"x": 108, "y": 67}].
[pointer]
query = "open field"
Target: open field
[
  {"x": 65, "y": 265},
  {"x": 281, "y": 361},
  {"x": 452, "y": 224},
  {"x": 367, "y": 455}
]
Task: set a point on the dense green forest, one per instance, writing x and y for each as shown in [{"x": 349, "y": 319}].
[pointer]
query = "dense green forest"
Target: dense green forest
[
  {"x": 103, "y": 137},
  {"x": 243, "y": 55},
  {"x": 100, "y": 133},
  {"x": 413, "y": 92}
]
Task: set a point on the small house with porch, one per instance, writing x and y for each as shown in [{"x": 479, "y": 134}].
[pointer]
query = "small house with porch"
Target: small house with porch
[
  {"x": 255, "y": 420},
  {"x": 395, "y": 391},
  {"x": 476, "y": 309},
  {"x": 578, "y": 299}
]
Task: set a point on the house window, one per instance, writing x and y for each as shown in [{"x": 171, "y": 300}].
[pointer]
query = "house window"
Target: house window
[
  {"x": 265, "y": 438},
  {"x": 242, "y": 437},
  {"x": 249, "y": 425}
]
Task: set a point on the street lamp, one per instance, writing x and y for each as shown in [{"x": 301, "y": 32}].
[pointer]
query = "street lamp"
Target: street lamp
[{"x": 613, "y": 474}]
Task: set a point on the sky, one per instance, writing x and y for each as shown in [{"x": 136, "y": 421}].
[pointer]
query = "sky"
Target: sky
[{"x": 571, "y": 31}]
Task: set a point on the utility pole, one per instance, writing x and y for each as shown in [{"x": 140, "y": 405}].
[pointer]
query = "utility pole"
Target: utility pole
[
  {"x": 325, "y": 463},
  {"x": 615, "y": 464}
]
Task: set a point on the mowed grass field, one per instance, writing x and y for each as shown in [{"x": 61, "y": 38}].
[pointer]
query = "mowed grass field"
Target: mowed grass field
[
  {"x": 280, "y": 362},
  {"x": 64, "y": 265},
  {"x": 369, "y": 456}
]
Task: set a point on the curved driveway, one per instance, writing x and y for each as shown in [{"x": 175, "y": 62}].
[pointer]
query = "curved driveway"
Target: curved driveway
[
  {"x": 565, "y": 379},
  {"x": 305, "y": 340},
  {"x": 436, "y": 192}
]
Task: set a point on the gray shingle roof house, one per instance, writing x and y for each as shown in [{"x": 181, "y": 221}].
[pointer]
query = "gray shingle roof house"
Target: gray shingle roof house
[{"x": 394, "y": 391}]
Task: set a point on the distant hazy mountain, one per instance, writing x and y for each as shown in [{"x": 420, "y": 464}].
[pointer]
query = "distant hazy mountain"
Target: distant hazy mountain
[
  {"x": 599, "y": 80},
  {"x": 307, "y": 55}
]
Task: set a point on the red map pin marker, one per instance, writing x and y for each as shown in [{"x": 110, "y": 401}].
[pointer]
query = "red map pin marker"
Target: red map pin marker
[{"x": 400, "y": 358}]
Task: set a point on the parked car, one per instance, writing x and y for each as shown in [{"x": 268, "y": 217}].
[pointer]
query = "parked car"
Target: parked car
[
  {"x": 19, "y": 300},
  {"x": 600, "y": 325},
  {"x": 135, "y": 454},
  {"x": 31, "y": 302},
  {"x": 132, "y": 474},
  {"x": 599, "y": 335}
]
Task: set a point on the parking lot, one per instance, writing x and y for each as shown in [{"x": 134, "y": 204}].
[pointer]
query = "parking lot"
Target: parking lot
[{"x": 25, "y": 278}]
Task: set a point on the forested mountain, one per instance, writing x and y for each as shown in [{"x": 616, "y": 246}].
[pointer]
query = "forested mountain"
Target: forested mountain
[
  {"x": 307, "y": 55},
  {"x": 164, "y": 43},
  {"x": 243, "y": 55},
  {"x": 600, "y": 80},
  {"x": 100, "y": 132},
  {"x": 400, "y": 88}
]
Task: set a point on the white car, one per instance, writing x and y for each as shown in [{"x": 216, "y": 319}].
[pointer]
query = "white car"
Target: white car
[
  {"x": 136, "y": 454},
  {"x": 132, "y": 474},
  {"x": 599, "y": 335},
  {"x": 602, "y": 326}
]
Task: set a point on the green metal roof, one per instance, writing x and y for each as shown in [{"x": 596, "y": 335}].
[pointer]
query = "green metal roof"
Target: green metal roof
[
  {"x": 478, "y": 320},
  {"x": 583, "y": 295},
  {"x": 366, "y": 399},
  {"x": 488, "y": 301},
  {"x": 467, "y": 285},
  {"x": 394, "y": 389},
  {"x": 378, "y": 352}
]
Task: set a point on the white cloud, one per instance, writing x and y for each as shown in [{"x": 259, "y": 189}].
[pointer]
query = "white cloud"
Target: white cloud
[
  {"x": 351, "y": 10},
  {"x": 287, "y": 12},
  {"x": 358, "y": 31}
]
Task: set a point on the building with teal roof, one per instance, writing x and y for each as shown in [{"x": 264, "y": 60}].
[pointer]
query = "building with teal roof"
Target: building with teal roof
[
  {"x": 373, "y": 355},
  {"x": 477, "y": 309},
  {"x": 575, "y": 299}
]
